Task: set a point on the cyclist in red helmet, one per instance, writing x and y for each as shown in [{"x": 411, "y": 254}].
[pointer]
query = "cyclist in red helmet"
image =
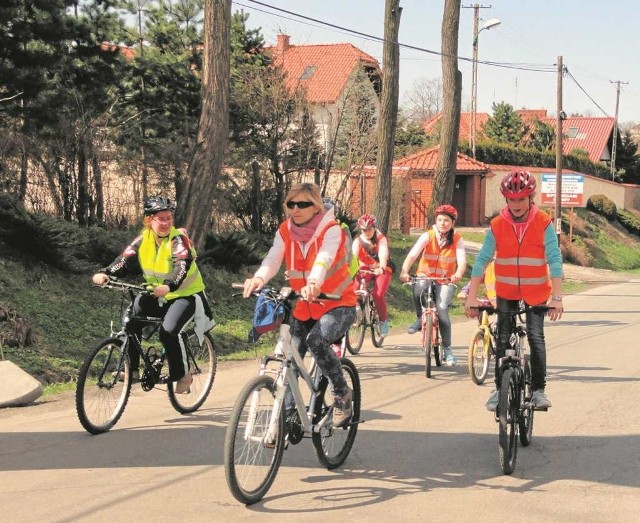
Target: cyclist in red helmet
[
  {"x": 442, "y": 254},
  {"x": 372, "y": 252},
  {"x": 528, "y": 267}
]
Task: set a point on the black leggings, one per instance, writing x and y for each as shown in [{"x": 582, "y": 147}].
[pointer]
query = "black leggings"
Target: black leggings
[{"x": 176, "y": 315}]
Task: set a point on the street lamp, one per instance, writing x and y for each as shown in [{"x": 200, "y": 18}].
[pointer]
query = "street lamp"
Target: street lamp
[{"x": 493, "y": 22}]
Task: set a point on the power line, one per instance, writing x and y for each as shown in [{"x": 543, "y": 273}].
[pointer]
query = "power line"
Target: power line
[
  {"x": 504, "y": 65},
  {"x": 585, "y": 92}
]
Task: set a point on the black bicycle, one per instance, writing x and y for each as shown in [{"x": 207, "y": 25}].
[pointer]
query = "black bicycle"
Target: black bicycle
[
  {"x": 515, "y": 409},
  {"x": 105, "y": 379},
  {"x": 366, "y": 317}
]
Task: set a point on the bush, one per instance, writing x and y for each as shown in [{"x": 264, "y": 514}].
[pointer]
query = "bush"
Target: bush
[
  {"x": 603, "y": 206},
  {"x": 629, "y": 221}
]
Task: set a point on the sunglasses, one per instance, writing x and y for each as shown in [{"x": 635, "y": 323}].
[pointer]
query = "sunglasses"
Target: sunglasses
[{"x": 301, "y": 205}]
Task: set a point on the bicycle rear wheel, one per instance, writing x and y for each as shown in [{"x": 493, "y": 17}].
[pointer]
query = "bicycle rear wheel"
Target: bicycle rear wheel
[
  {"x": 251, "y": 460},
  {"x": 478, "y": 356},
  {"x": 104, "y": 385},
  {"x": 376, "y": 337},
  {"x": 526, "y": 416},
  {"x": 355, "y": 334},
  {"x": 334, "y": 444},
  {"x": 427, "y": 343},
  {"x": 203, "y": 363},
  {"x": 508, "y": 405}
]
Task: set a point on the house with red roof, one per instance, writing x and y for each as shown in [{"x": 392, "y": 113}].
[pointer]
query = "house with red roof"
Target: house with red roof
[
  {"x": 412, "y": 188},
  {"x": 591, "y": 134},
  {"x": 325, "y": 71}
]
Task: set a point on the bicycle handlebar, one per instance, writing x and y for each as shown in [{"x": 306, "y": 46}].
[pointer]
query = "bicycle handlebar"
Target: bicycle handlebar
[
  {"x": 521, "y": 310},
  {"x": 413, "y": 279},
  {"x": 115, "y": 283},
  {"x": 286, "y": 293}
]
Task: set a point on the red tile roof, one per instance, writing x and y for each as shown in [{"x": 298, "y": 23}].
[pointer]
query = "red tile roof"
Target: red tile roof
[
  {"x": 527, "y": 115},
  {"x": 427, "y": 160},
  {"x": 591, "y": 134},
  {"x": 323, "y": 69}
]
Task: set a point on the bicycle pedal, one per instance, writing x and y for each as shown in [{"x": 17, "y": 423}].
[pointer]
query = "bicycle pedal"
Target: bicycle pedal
[{"x": 541, "y": 409}]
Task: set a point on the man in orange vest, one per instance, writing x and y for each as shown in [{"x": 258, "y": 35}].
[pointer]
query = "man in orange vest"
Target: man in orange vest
[{"x": 528, "y": 267}]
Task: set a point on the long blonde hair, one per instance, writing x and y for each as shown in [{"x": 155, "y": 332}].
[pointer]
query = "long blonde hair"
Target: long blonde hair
[{"x": 311, "y": 190}]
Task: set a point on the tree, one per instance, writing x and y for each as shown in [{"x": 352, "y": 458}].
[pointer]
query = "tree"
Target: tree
[
  {"x": 444, "y": 178},
  {"x": 424, "y": 100},
  {"x": 627, "y": 159},
  {"x": 206, "y": 163},
  {"x": 542, "y": 137},
  {"x": 388, "y": 112},
  {"x": 505, "y": 125}
]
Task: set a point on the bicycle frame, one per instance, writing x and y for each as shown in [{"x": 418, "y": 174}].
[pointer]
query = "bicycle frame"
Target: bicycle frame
[{"x": 429, "y": 308}]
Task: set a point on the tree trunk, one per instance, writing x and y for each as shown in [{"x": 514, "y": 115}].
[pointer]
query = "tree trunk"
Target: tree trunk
[
  {"x": 98, "y": 187},
  {"x": 445, "y": 175},
  {"x": 256, "y": 198},
  {"x": 208, "y": 155},
  {"x": 83, "y": 193},
  {"x": 388, "y": 112}
]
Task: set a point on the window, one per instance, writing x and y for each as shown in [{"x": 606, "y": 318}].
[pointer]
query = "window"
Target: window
[
  {"x": 572, "y": 132},
  {"x": 308, "y": 72}
]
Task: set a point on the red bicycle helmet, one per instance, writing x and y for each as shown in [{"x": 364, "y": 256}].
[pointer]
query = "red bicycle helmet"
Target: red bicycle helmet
[
  {"x": 448, "y": 210},
  {"x": 367, "y": 220},
  {"x": 518, "y": 184}
]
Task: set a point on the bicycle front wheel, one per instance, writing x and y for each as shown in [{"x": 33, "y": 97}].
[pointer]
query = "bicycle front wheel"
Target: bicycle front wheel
[
  {"x": 334, "y": 444},
  {"x": 526, "y": 416},
  {"x": 355, "y": 334},
  {"x": 376, "y": 337},
  {"x": 478, "y": 356},
  {"x": 104, "y": 385},
  {"x": 203, "y": 363},
  {"x": 508, "y": 405},
  {"x": 427, "y": 343},
  {"x": 252, "y": 453}
]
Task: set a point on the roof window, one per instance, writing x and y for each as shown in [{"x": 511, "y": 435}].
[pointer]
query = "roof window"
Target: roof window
[
  {"x": 572, "y": 132},
  {"x": 308, "y": 72}
]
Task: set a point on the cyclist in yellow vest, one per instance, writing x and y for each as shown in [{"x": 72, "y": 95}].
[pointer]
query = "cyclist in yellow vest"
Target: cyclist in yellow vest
[
  {"x": 312, "y": 245},
  {"x": 528, "y": 266},
  {"x": 166, "y": 258},
  {"x": 442, "y": 255}
]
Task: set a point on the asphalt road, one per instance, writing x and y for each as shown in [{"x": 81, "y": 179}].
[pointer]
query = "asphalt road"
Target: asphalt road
[{"x": 427, "y": 452}]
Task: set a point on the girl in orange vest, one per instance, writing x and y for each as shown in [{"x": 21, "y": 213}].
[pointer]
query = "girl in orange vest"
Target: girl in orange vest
[
  {"x": 442, "y": 255},
  {"x": 528, "y": 267},
  {"x": 372, "y": 252},
  {"x": 312, "y": 245}
]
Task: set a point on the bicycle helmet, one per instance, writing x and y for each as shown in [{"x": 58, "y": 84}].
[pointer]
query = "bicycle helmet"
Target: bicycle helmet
[
  {"x": 518, "y": 184},
  {"x": 367, "y": 220},
  {"x": 448, "y": 210},
  {"x": 155, "y": 204}
]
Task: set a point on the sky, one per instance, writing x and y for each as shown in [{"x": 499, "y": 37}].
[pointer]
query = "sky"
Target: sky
[{"x": 598, "y": 42}]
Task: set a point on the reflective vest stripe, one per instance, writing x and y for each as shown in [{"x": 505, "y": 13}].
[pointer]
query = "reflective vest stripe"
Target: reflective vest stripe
[{"x": 436, "y": 261}]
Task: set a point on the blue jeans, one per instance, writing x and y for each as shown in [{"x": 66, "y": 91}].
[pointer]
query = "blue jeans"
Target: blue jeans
[
  {"x": 535, "y": 336},
  {"x": 443, "y": 298}
]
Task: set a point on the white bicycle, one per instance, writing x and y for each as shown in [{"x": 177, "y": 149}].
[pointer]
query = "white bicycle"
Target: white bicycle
[{"x": 258, "y": 432}]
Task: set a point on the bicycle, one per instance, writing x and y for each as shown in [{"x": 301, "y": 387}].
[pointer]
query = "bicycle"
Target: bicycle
[
  {"x": 366, "y": 317},
  {"x": 430, "y": 328},
  {"x": 105, "y": 378},
  {"x": 258, "y": 433},
  {"x": 515, "y": 410},
  {"x": 482, "y": 347}
]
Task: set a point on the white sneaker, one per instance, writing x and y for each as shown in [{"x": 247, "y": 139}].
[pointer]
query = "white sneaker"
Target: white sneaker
[
  {"x": 449, "y": 358},
  {"x": 492, "y": 402},
  {"x": 540, "y": 400}
]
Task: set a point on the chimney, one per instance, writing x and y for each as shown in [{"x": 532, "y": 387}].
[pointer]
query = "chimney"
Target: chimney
[{"x": 283, "y": 43}]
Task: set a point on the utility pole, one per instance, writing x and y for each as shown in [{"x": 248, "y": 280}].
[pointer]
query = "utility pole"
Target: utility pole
[
  {"x": 474, "y": 74},
  {"x": 615, "y": 130},
  {"x": 559, "y": 117}
]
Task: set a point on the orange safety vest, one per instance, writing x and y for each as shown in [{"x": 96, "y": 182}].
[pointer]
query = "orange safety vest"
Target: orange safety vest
[
  {"x": 521, "y": 267},
  {"x": 436, "y": 262},
  {"x": 337, "y": 280},
  {"x": 366, "y": 257}
]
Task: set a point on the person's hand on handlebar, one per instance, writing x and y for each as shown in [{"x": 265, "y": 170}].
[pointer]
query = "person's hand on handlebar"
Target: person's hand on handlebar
[
  {"x": 469, "y": 305},
  {"x": 555, "y": 309},
  {"x": 455, "y": 278},
  {"x": 377, "y": 271},
  {"x": 252, "y": 285},
  {"x": 161, "y": 291},
  {"x": 310, "y": 291},
  {"x": 404, "y": 277},
  {"x": 100, "y": 278}
]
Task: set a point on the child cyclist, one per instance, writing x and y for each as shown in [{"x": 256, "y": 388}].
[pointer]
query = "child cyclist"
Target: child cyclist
[
  {"x": 442, "y": 255},
  {"x": 528, "y": 267},
  {"x": 372, "y": 252}
]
